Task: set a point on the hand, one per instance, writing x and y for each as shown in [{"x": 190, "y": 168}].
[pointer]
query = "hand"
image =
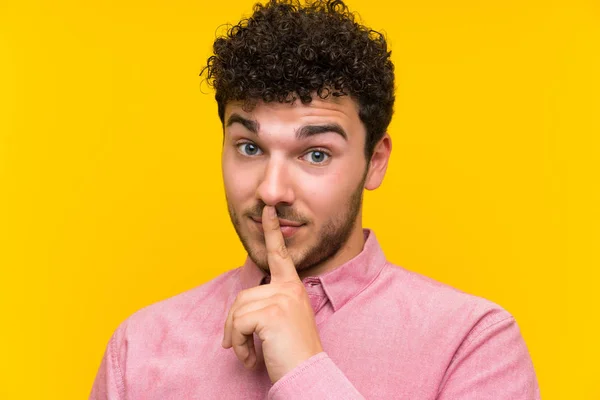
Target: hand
[{"x": 280, "y": 313}]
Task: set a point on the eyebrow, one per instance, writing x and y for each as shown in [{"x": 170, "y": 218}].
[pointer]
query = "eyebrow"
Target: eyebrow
[
  {"x": 249, "y": 124},
  {"x": 311, "y": 130},
  {"x": 303, "y": 133}
]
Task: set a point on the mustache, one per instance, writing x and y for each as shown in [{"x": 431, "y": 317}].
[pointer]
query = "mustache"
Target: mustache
[{"x": 283, "y": 212}]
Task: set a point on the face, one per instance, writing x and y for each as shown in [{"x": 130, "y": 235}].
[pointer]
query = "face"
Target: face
[{"x": 306, "y": 160}]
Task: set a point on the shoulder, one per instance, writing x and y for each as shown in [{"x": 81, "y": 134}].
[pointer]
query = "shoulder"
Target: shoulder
[
  {"x": 456, "y": 331},
  {"x": 438, "y": 304},
  {"x": 199, "y": 304}
]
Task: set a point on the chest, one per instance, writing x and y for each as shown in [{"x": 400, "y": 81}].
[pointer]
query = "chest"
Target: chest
[{"x": 378, "y": 355}]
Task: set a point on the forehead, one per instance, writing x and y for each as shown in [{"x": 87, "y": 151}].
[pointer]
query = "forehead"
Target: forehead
[{"x": 342, "y": 110}]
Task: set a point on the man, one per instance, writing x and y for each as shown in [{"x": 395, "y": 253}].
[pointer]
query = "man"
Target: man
[{"x": 305, "y": 95}]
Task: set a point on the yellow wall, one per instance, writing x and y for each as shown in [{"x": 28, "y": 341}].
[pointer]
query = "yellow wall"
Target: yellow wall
[{"x": 110, "y": 185}]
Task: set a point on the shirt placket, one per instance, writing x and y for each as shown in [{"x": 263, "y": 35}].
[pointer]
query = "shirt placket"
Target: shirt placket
[{"x": 315, "y": 292}]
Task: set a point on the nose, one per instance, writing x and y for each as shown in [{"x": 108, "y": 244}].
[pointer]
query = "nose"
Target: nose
[{"x": 275, "y": 186}]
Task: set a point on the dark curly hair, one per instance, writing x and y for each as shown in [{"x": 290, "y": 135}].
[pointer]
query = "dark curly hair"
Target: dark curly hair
[{"x": 287, "y": 51}]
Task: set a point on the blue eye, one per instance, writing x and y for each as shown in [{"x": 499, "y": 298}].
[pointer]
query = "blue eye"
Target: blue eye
[
  {"x": 317, "y": 156},
  {"x": 248, "y": 149}
]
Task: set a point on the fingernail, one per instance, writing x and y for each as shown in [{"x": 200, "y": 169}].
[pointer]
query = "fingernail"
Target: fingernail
[{"x": 272, "y": 212}]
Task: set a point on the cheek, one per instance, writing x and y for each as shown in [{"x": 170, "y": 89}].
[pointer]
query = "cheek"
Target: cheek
[
  {"x": 239, "y": 182},
  {"x": 328, "y": 195}
]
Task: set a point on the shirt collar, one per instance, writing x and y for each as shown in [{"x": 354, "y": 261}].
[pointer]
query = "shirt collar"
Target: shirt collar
[{"x": 340, "y": 284}]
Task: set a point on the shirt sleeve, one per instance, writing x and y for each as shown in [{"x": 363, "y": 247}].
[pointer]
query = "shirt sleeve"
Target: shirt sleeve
[
  {"x": 315, "y": 378},
  {"x": 109, "y": 384},
  {"x": 492, "y": 363}
]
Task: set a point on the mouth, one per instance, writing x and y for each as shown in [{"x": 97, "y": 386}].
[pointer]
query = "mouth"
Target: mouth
[{"x": 288, "y": 228}]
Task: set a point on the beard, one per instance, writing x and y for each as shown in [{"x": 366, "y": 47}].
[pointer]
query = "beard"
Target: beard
[{"x": 333, "y": 235}]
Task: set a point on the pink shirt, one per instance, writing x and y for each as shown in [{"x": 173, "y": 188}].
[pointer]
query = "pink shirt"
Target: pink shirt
[{"x": 387, "y": 333}]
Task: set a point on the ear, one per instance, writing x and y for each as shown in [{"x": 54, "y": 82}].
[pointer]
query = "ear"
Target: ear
[{"x": 379, "y": 162}]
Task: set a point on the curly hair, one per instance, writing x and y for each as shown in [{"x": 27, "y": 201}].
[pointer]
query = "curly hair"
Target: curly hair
[{"x": 287, "y": 51}]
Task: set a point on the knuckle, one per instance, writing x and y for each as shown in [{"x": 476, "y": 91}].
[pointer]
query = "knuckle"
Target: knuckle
[
  {"x": 241, "y": 296},
  {"x": 282, "y": 250},
  {"x": 235, "y": 316},
  {"x": 241, "y": 352},
  {"x": 283, "y": 301},
  {"x": 236, "y": 321},
  {"x": 279, "y": 250},
  {"x": 296, "y": 290},
  {"x": 274, "y": 311},
  {"x": 287, "y": 304}
]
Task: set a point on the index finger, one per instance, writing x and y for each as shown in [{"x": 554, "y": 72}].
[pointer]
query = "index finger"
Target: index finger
[{"x": 280, "y": 263}]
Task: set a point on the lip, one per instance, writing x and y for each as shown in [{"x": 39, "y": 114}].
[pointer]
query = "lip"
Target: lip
[
  {"x": 288, "y": 228},
  {"x": 282, "y": 222}
]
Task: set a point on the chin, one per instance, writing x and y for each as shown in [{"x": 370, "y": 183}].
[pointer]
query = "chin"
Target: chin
[{"x": 259, "y": 256}]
